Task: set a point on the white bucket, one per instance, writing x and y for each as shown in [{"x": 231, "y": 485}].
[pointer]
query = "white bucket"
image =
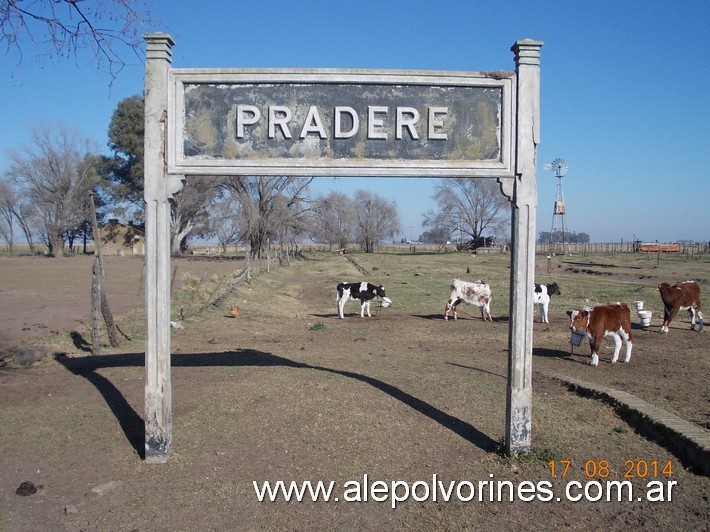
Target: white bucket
[
  {"x": 645, "y": 316},
  {"x": 639, "y": 305}
]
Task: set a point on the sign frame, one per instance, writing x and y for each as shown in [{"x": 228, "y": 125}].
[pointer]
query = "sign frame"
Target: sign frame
[
  {"x": 179, "y": 163},
  {"x": 163, "y": 178}
]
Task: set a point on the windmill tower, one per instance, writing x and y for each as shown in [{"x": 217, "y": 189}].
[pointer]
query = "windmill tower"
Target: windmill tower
[{"x": 559, "y": 234}]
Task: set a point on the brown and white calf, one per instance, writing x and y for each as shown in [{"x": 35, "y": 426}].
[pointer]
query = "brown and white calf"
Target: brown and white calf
[
  {"x": 681, "y": 296},
  {"x": 541, "y": 297},
  {"x": 477, "y": 293},
  {"x": 601, "y": 321}
]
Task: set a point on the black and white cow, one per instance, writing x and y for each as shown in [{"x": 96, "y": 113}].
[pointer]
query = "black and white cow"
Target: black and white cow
[
  {"x": 362, "y": 292},
  {"x": 541, "y": 297}
]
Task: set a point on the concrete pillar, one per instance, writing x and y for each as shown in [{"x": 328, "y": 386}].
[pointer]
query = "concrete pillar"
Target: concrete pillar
[
  {"x": 158, "y": 188},
  {"x": 523, "y": 191}
]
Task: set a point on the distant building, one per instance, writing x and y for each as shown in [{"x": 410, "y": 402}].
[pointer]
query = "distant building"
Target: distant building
[{"x": 122, "y": 239}]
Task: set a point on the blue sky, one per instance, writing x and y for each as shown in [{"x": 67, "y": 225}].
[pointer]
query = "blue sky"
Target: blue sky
[{"x": 624, "y": 90}]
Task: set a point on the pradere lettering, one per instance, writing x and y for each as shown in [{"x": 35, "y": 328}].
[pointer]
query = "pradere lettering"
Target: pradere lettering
[{"x": 345, "y": 122}]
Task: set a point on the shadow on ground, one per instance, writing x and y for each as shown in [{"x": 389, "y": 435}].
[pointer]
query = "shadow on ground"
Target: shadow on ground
[{"x": 133, "y": 424}]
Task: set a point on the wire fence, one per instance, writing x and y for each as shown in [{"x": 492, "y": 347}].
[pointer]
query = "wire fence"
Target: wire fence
[
  {"x": 287, "y": 253},
  {"x": 689, "y": 248}
]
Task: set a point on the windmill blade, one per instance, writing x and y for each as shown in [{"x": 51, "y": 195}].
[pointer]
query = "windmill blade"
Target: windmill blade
[{"x": 559, "y": 166}]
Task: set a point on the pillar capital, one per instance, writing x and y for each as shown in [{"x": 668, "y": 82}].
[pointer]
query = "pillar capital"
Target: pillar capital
[
  {"x": 527, "y": 52},
  {"x": 159, "y": 46}
]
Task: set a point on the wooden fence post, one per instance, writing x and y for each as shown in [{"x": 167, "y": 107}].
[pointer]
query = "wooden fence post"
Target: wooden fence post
[{"x": 99, "y": 300}]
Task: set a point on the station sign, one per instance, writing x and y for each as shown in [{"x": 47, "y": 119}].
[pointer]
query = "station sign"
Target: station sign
[{"x": 340, "y": 123}]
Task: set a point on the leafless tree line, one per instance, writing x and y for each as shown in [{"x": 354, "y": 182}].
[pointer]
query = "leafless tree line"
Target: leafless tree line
[
  {"x": 469, "y": 209},
  {"x": 45, "y": 193},
  {"x": 264, "y": 211},
  {"x": 44, "y": 198}
]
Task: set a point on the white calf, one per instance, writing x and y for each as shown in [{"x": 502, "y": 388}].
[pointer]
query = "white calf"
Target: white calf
[
  {"x": 477, "y": 293},
  {"x": 541, "y": 297}
]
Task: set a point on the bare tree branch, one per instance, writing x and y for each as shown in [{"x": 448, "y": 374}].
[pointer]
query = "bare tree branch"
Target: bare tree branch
[{"x": 109, "y": 28}]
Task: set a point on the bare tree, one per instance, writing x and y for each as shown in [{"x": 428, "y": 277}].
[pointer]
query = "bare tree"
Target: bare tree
[
  {"x": 469, "y": 205},
  {"x": 189, "y": 211},
  {"x": 16, "y": 211},
  {"x": 266, "y": 204},
  {"x": 67, "y": 27},
  {"x": 376, "y": 219},
  {"x": 7, "y": 200},
  {"x": 28, "y": 219},
  {"x": 225, "y": 222},
  {"x": 56, "y": 173},
  {"x": 333, "y": 220},
  {"x": 291, "y": 221}
]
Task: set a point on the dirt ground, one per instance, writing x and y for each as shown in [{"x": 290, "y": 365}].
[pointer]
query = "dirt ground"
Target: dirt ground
[
  {"x": 289, "y": 392},
  {"x": 46, "y": 297}
]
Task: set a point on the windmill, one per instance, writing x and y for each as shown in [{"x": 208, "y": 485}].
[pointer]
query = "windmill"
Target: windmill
[{"x": 559, "y": 233}]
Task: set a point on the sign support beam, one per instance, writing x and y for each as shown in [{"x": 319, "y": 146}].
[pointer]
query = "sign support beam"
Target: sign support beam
[
  {"x": 158, "y": 189},
  {"x": 522, "y": 189}
]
